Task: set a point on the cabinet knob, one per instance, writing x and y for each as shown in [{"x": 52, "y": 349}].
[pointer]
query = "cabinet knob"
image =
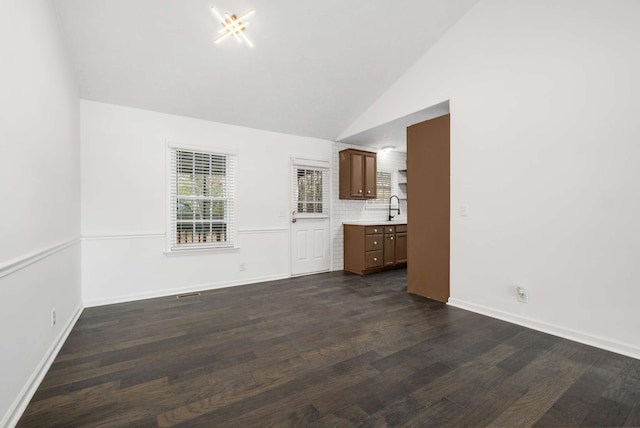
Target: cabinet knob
[
  {"x": 375, "y": 230},
  {"x": 391, "y": 238},
  {"x": 368, "y": 191},
  {"x": 375, "y": 242},
  {"x": 359, "y": 191},
  {"x": 375, "y": 259}
]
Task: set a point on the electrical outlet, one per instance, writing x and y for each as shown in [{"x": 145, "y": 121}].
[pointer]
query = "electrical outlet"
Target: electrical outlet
[
  {"x": 464, "y": 210},
  {"x": 243, "y": 267},
  {"x": 53, "y": 317},
  {"x": 522, "y": 295}
]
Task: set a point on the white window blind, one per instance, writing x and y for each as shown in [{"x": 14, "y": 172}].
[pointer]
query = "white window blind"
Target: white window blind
[
  {"x": 383, "y": 189},
  {"x": 310, "y": 191},
  {"x": 202, "y": 199}
]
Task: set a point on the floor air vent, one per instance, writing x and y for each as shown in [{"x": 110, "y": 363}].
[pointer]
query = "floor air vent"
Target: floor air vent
[{"x": 182, "y": 296}]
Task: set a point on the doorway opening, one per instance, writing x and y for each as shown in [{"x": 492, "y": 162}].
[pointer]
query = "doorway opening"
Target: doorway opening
[{"x": 425, "y": 136}]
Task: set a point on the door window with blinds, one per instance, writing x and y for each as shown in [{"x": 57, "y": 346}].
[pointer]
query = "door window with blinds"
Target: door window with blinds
[
  {"x": 202, "y": 200},
  {"x": 311, "y": 191}
]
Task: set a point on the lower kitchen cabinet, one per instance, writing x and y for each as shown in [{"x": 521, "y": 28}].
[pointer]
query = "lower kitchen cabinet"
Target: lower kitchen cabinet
[
  {"x": 369, "y": 249},
  {"x": 401, "y": 246}
]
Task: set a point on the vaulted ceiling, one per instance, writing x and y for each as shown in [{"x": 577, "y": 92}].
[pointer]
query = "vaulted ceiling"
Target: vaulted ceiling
[{"x": 316, "y": 65}]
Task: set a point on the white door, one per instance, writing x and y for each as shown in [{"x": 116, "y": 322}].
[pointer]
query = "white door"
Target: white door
[{"x": 310, "y": 243}]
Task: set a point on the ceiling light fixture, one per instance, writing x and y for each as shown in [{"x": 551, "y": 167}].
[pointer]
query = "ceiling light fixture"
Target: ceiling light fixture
[
  {"x": 387, "y": 149},
  {"x": 233, "y": 26}
]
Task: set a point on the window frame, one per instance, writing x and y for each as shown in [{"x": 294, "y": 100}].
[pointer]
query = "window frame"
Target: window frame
[
  {"x": 171, "y": 216},
  {"x": 324, "y": 202},
  {"x": 317, "y": 165}
]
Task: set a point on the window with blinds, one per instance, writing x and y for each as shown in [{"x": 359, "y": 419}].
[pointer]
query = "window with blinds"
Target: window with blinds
[
  {"x": 383, "y": 189},
  {"x": 311, "y": 190},
  {"x": 202, "y": 200}
]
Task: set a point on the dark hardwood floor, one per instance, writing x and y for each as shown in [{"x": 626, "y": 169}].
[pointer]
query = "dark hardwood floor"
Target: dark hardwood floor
[{"x": 326, "y": 350}]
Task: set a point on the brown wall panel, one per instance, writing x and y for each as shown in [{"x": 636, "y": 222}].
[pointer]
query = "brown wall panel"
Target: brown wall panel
[{"x": 428, "y": 175}]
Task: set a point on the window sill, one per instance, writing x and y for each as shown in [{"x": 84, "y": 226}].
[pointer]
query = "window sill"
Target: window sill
[{"x": 199, "y": 250}]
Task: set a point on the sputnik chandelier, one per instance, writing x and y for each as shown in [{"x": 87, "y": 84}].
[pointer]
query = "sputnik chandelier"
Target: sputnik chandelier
[{"x": 233, "y": 26}]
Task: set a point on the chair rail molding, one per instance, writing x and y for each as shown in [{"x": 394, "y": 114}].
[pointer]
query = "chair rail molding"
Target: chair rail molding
[{"x": 22, "y": 262}]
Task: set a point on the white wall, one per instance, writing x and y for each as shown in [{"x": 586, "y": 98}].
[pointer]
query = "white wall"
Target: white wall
[
  {"x": 544, "y": 150},
  {"x": 39, "y": 199},
  {"x": 345, "y": 210},
  {"x": 123, "y": 203}
]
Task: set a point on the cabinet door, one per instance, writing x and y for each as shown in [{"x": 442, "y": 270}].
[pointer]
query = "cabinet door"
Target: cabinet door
[
  {"x": 401, "y": 247},
  {"x": 389, "y": 250},
  {"x": 370, "y": 176},
  {"x": 356, "y": 175}
]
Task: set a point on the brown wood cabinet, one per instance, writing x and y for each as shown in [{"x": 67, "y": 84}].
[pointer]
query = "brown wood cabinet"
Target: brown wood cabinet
[
  {"x": 389, "y": 245},
  {"x": 375, "y": 248},
  {"x": 401, "y": 247},
  {"x": 357, "y": 174}
]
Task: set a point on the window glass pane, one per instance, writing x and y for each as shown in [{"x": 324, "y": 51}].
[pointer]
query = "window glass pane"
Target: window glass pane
[
  {"x": 215, "y": 186},
  {"x": 184, "y": 210},
  {"x": 197, "y": 233},
  {"x": 309, "y": 190}
]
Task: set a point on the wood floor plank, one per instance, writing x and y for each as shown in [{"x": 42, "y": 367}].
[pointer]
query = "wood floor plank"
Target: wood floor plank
[
  {"x": 634, "y": 417},
  {"x": 436, "y": 415},
  {"x": 223, "y": 399},
  {"x": 341, "y": 375},
  {"x": 572, "y": 407},
  {"x": 607, "y": 413},
  {"x": 333, "y": 349},
  {"x": 468, "y": 374},
  {"x": 537, "y": 400}
]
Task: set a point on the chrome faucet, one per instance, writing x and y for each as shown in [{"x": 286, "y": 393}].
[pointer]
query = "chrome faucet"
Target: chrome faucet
[{"x": 396, "y": 209}]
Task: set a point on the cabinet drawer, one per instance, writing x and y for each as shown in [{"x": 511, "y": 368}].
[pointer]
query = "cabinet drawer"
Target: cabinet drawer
[
  {"x": 372, "y": 230},
  {"x": 373, "y": 242},
  {"x": 401, "y": 228},
  {"x": 373, "y": 259},
  {"x": 389, "y": 229}
]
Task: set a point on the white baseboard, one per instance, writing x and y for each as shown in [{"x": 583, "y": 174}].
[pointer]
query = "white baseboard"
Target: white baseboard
[
  {"x": 173, "y": 291},
  {"x": 556, "y": 330},
  {"x": 18, "y": 407}
]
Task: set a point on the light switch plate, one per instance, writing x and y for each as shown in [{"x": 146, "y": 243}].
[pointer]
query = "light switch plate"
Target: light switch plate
[{"x": 464, "y": 210}]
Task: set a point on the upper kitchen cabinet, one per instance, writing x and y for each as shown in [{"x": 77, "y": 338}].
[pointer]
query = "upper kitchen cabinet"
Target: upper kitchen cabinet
[{"x": 357, "y": 174}]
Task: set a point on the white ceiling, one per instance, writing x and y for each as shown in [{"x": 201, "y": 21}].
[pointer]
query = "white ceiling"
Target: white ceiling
[
  {"x": 316, "y": 65},
  {"x": 394, "y": 133}
]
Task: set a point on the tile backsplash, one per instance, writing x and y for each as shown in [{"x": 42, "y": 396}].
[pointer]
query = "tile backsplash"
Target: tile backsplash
[{"x": 345, "y": 210}]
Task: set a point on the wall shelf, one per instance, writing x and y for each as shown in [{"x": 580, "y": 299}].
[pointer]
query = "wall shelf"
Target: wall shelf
[{"x": 402, "y": 183}]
